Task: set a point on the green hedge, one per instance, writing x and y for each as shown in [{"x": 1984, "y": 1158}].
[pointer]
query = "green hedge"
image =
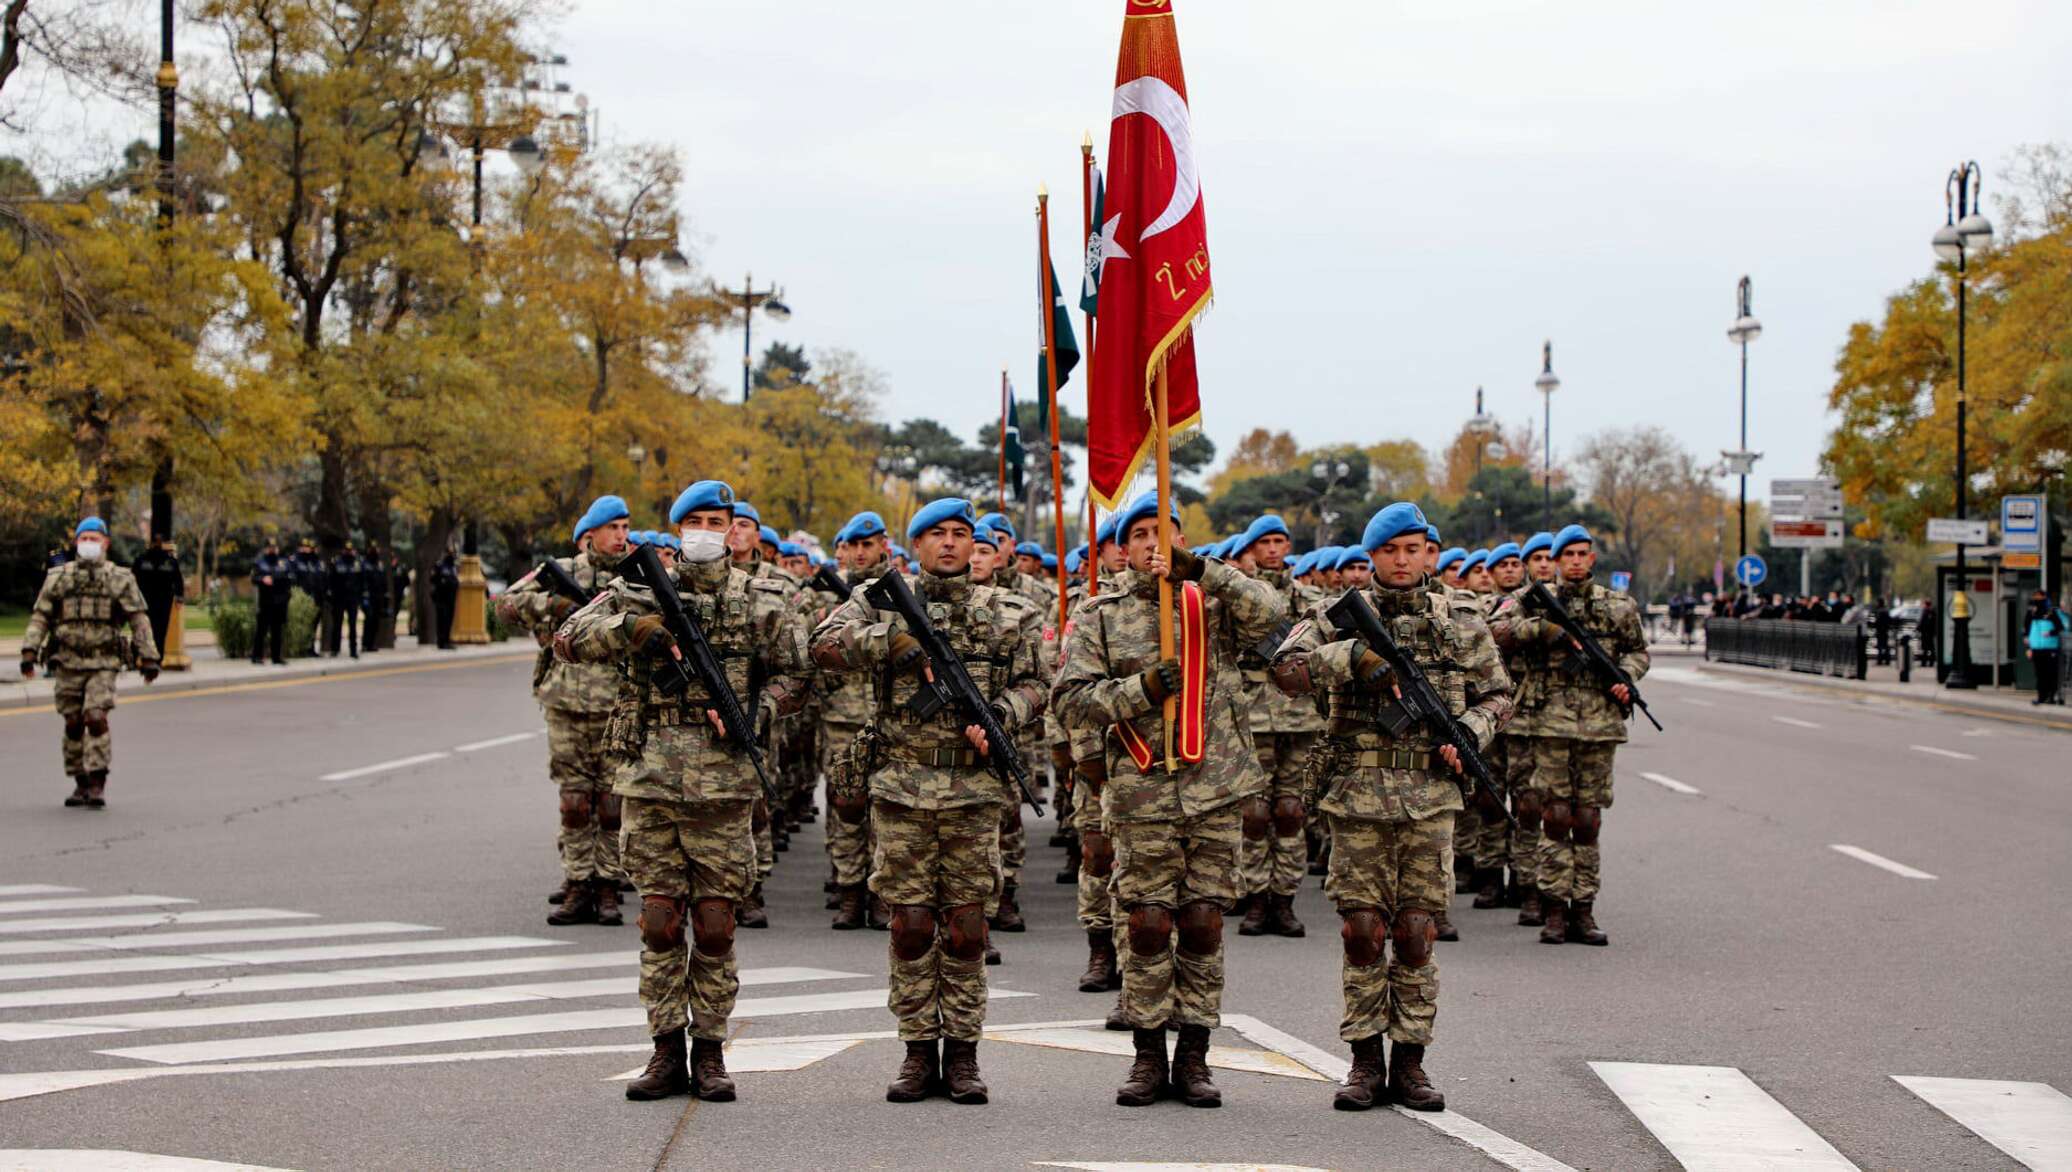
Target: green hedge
[{"x": 235, "y": 622}]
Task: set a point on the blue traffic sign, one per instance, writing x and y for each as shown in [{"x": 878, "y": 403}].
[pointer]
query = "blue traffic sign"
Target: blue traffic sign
[
  {"x": 1750, "y": 571},
  {"x": 1621, "y": 580}
]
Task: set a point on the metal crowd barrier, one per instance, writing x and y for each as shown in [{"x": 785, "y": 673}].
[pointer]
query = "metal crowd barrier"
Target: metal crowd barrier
[{"x": 1831, "y": 649}]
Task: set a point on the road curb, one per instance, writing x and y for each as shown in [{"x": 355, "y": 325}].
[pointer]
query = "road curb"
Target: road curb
[
  {"x": 18, "y": 693},
  {"x": 2046, "y": 715}
]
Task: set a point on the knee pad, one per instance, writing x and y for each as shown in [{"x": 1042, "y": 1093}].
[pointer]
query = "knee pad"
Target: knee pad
[
  {"x": 1362, "y": 932},
  {"x": 1415, "y": 930},
  {"x": 966, "y": 938},
  {"x": 913, "y": 931},
  {"x": 1525, "y": 809},
  {"x": 1287, "y": 815},
  {"x": 75, "y": 727},
  {"x": 712, "y": 927},
  {"x": 608, "y": 812},
  {"x": 97, "y": 723},
  {"x": 1589, "y": 820},
  {"x": 1253, "y": 816},
  {"x": 661, "y": 922},
  {"x": 1201, "y": 928},
  {"x": 575, "y": 809},
  {"x": 1151, "y": 930},
  {"x": 1559, "y": 821},
  {"x": 1096, "y": 853}
]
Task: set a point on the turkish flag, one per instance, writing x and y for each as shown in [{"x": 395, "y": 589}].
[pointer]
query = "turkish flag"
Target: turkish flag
[{"x": 1154, "y": 246}]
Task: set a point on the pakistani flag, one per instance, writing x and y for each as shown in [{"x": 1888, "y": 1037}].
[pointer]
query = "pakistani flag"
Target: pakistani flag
[
  {"x": 1090, "y": 280},
  {"x": 1010, "y": 442},
  {"x": 1068, "y": 347}
]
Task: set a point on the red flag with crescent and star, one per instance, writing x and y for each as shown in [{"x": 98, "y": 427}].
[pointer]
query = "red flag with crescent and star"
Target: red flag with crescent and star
[{"x": 1154, "y": 278}]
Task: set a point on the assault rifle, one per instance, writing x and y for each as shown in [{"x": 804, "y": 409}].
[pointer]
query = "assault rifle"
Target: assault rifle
[
  {"x": 673, "y": 676},
  {"x": 952, "y": 686},
  {"x": 1590, "y": 651},
  {"x": 561, "y": 582},
  {"x": 826, "y": 578},
  {"x": 1421, "y": 702}
]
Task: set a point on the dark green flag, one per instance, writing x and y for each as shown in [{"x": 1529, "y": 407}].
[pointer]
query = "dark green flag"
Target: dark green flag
[{"x": 1068, "y": 349}]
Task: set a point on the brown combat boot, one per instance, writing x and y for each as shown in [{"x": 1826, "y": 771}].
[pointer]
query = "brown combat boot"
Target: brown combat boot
[
  {"x": 1582, "y": 923},
  {"x": 608, "y": 903},
  {"x": 1191, "y": 1068},
  {"x": 96, "y": 786},
  {"x": 849, "y": 914},
  {"x": 666, "y": 1073},
  {"x": 1100, "y": 961},
  {"x": 1407, "y": 1082},
  {"x": 1280, "y": 916},
  {"x": 1364, "y": 1082},
  {"x": 877, "y": 917},
  {"x": 1555, "y": 929},
  {"x": 1463, "y": 875},
  {"x": 1254, "y": 923},
  {"x": 709, "y": 1079},
  {"x": 1118, "y": 1018},
  {"x": 560, "y": 896},
  {"x": 579, "y": 908},
  {"x": 1444, "y": 923},
  {"x": 960, "y": 1071},
  {"x": 78, "y": 797},
  {"x": 992, "y": 951},
  {"x": 1149, "y": 1074},
  {"x": 1009, "y": 917},
  {"x": 749, "y": 912},
  {"x": 917, "y": 1076},
  {"x": 1529, "y": 913},
  {"x": 1489, "y": 887}
]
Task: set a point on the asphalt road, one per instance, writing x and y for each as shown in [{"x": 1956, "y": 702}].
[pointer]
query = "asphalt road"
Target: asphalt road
[{"x": 363, "y": 978}]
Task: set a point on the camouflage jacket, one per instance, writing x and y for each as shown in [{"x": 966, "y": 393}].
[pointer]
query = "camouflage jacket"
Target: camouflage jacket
[
  {"x": 1362, "y": 772},
  {"x": 667, "y": 749},
  {"x": 1272, "y": 710},
  {"x": 79, "y": 614},
  {"x": 1517, "y": 664},
  {"x": 845, "y": 696},
  {"x": 925, "y": 763},
  {"x": 1561, "y": 696},
  {"x": 1114, "y": 639},
  {"x": 588, "y": 688}
]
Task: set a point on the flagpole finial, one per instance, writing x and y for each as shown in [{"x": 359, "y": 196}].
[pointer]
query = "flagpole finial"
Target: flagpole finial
[
  {"x": 1086, "y": 143},
  {"x": 1042, "y": 193}
]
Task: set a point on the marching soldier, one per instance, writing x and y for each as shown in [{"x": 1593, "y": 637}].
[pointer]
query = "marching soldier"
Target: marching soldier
[
  {"x": 687, "y": 791},
  {"x": 76, "y": 628},
  {"x": 1391, "y": 801},
  {"x": 1504, "y": 571},
  {"x": 1175, "y": 829},
  {"x": 935, "y": 807},
  {"x": 1275, "y": 851},
  {"x": 849, "y": 705},
  {"x": 1528, "y": 803},
  {"x": 577, "y": 700},
  {"x": 1579, "y": 724}
]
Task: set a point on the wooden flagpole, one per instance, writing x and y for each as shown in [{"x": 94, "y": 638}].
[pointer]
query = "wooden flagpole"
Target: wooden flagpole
[
  {"x": 1165, "y": 551},
  {"x": 1086, "y": 231},
  {"x": 1003, "y": 439},
  {"x": 1050, "y": 369}
]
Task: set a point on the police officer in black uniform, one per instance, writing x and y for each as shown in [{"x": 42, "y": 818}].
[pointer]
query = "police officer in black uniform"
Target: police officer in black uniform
[{"x": 273, "y": 577}]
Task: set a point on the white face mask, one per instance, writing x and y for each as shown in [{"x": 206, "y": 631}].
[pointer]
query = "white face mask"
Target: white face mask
[
  {"x": 91, "y": 551},
  {"x": 703, "y": 545}
]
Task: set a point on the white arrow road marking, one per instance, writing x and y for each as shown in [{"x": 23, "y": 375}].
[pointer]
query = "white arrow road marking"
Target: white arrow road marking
[
  {"x": 150, "y": 920},
  {"x": 1670, "y": 783},
  {"x": 200, "y": 939},
  {"x": 2030, "y": 1121},
  {"x": 383, "y": 766},
  {"x": 1715, "y": 1119},
  {"x": 493, "y": 742},
  {"x": 110, "y": 1160},
  {"x": 1952, "y": 754},
  {"x": 87, "y": 903},
  {"x": 1876, "y": 860}
]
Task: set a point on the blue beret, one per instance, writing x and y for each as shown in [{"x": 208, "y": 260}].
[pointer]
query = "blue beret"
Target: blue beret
[
  {"x": 638, "y": 537},
  {"x": 1542, "y": 540},
  {"x": 1326, "y": 557},
  {"x": 999, "y": 521},
  {"x": 769, "y": 536},
  {"x": 1449, "y": 556},
  {"x": 1146, "y": 505},
  {"x": 1260, "y": 527},
  {"x": 96, "y": 525},
  {"x": 706, "y": 494},
  {"x": 1392, "y": 522},
  {"x": 986, "y": 535},
  {"x": 864, "y": 524},
  {"x": 1050, "y": 561},
  {"x": 895, "y": 549},
  {"x": 1432, "y": 533},
  {"x": 1477, "y": 558},
  {"x": 744, "y": 509},
  {"x": 786, "y": 549},
  {"x": 1105, "y": 535},
  {"x": 935, "y": 512},
  {"x": 1353, "y": 556},
  {"x": 1508, "y": 549},
  {"x": 670, "y": 540},
  {"x": 1028, "y": 549},
  {"x": 602, "y": 511},
  {"x": 1075, "y": 559},
  {"x": 1301, "y": 565},
  {"x": 1570, "y": 535}
]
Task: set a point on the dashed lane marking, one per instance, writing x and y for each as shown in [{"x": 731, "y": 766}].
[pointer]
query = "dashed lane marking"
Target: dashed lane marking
[
  {"x": 1880, "y": 861},
  {"x": 493, "y": 742},
  {"x": 36, "y": 889},
  {"x": 384, "y": 766},
  {"x": 1671, "y": 784},
  {"x": 1950, "y": 753},
  {"x": 1794, "y": 721}
]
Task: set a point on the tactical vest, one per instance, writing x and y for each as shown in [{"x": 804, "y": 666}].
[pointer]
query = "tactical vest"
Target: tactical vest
[
  {"x": 90, "y": 616},
  {"x": 728, "y": 620},
  {"x": 983, "y": 630},
  {"x": 1434, "y": 639}
]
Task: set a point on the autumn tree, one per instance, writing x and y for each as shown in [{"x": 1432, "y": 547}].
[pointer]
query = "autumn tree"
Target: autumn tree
[{"x": 1655, "y": 497}]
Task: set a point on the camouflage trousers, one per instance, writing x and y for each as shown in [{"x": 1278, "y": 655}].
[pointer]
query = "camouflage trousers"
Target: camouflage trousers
[
  {"x": 937, "y": 859},
  {"x": 1273, "y": 858},
  {"x": 1522, "y": 851},
  {"x": 1169, "y": 865},
  {"x": 678, "y": 853},
  {"x": 848, "y": 844},
  {"x": 84, "y": 699},
  {"x": 765, "y": 839},
  {"x": 1096, "y": 903},
  {"x": 1577, "y": 775},
  {"x": 1391, "y": 867},
  {"x": 1488, "y": 842},
  {"x": 582, "y": 771},
  {"x": 1467, "y": 831}
]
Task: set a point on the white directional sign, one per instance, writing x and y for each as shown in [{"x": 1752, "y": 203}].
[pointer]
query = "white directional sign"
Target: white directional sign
[
  {"x": 1815, "y": 499},
  {"x": 1951, "y": 531},
  {"x": 1789, "y": 534},
  {"x": 2021, "y": 524}
]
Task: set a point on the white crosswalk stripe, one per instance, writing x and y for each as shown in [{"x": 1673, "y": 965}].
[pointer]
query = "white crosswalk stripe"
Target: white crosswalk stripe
[
  {"x": 87, "y": 903},
  {"x": 217, "y": 986},
  {"x": 34, "y": 889},
  {"x": 148, "y": 920},
  {"x": 141, "y": 942},
  {"x": 1715, "y": 1119},
  {"x": 2030, "y": 1121}
]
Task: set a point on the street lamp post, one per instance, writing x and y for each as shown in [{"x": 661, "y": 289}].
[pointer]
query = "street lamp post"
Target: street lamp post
[
  {"x": 1547, "y": 384},
  {"x": 1965, "y": 229},
  {"x": 1481, "y": 425},
  {"x": 173, "y": 656},
  {"x": 1745, "y": 329},
  {"x": 748, "y": 297}
]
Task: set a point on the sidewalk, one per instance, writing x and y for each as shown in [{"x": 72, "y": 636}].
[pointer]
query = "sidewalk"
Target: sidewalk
[
  {"x": 211, "y": 670},
  {"x": 1998, "y": 703}
]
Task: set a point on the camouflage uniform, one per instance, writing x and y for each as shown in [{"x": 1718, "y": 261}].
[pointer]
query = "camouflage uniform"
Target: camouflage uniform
[
  {"x": 1489, "y": 844},
  {"x": 577, "y": 700},
  {"x": 1014, "y": 837},
  {"x": 846, "y": 704},
  {"x": 75, "y": 628},
  {"x": 766, "y": 822},
  {"x": 1284, "y": 728},
  {"x": 1512, "y": 762},
  {"x": 935, "y": 807},
  {"x": 1175, "y": 835},
  {"x": 687, "y": 843},
  {"x": 1576, "y": 728}
]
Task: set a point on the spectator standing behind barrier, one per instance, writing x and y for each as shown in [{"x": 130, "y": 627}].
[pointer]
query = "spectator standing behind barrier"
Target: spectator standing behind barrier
[
  {"x": 2047, "y": 626},
  {"x": 445, "y": 596}
]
